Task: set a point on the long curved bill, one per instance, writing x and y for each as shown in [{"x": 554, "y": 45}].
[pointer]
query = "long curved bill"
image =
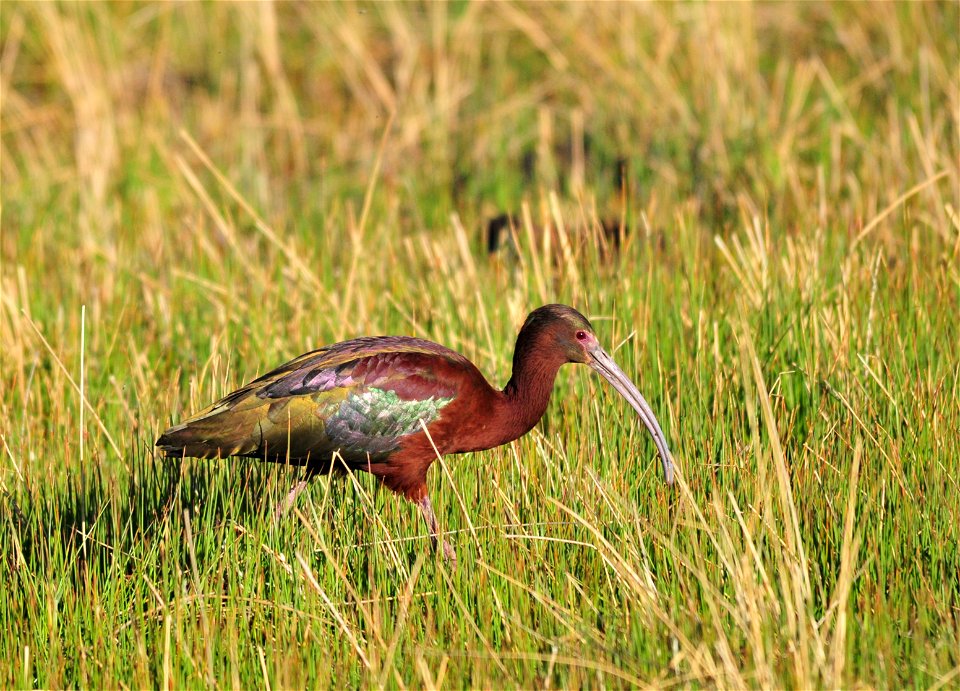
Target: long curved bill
[{"x": 605, "y": 365}]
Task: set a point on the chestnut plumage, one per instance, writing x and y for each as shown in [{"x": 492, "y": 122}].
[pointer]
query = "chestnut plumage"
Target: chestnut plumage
[{"x": 367, "y": 401}]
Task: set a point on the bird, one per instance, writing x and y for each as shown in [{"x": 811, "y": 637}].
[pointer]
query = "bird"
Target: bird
[
  {"x": 390, "y": 405},
  {"x": 505, "y": 229},
  {"x": 607, "y": 233}
]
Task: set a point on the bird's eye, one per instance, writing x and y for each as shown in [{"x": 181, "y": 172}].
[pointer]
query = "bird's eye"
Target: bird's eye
[{"x": 581, "y": 335}]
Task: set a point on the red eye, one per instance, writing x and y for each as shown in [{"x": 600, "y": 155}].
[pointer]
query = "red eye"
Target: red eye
[{"x": 581, "y": 335}]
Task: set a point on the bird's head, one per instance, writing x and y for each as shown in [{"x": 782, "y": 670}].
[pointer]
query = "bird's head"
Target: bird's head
[
  {"x": 563, "y": 331},
  {"x": 571, "y": 337}
]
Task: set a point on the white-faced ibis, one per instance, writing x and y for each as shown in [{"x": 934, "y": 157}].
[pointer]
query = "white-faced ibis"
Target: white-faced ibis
[{"x": 368, "y": 400}]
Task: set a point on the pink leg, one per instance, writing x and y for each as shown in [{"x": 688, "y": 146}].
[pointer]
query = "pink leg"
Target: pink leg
[{"x": 426, "y": 508}]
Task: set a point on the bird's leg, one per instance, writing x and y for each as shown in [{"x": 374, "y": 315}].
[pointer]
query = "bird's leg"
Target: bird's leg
[
  {"x": 426, "y": 508},
  {"x": 291, "y": 498}
]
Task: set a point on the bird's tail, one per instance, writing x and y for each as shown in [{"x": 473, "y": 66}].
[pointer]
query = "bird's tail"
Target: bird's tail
[{"x": 203, "y": 438}]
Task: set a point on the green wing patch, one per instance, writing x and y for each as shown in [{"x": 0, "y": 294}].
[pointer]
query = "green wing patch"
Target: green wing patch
[{"x": 373, "y": 420}]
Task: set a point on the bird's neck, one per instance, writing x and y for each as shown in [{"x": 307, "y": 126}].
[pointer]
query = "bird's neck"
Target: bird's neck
[{"x": 527, "y": 393}]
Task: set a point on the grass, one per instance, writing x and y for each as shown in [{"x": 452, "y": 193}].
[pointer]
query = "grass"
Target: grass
[{"x": 195, "y": 193}]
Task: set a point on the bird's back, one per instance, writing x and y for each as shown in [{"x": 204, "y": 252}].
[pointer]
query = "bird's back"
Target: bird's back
[{"x": 361, "y": 398}]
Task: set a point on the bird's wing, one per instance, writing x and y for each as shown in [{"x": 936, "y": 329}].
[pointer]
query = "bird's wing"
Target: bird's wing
[{"x": 359, "y": 398}]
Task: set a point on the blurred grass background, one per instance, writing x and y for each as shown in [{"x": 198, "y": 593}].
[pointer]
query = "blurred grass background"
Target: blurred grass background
[{"x": 194, "y": 193}]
